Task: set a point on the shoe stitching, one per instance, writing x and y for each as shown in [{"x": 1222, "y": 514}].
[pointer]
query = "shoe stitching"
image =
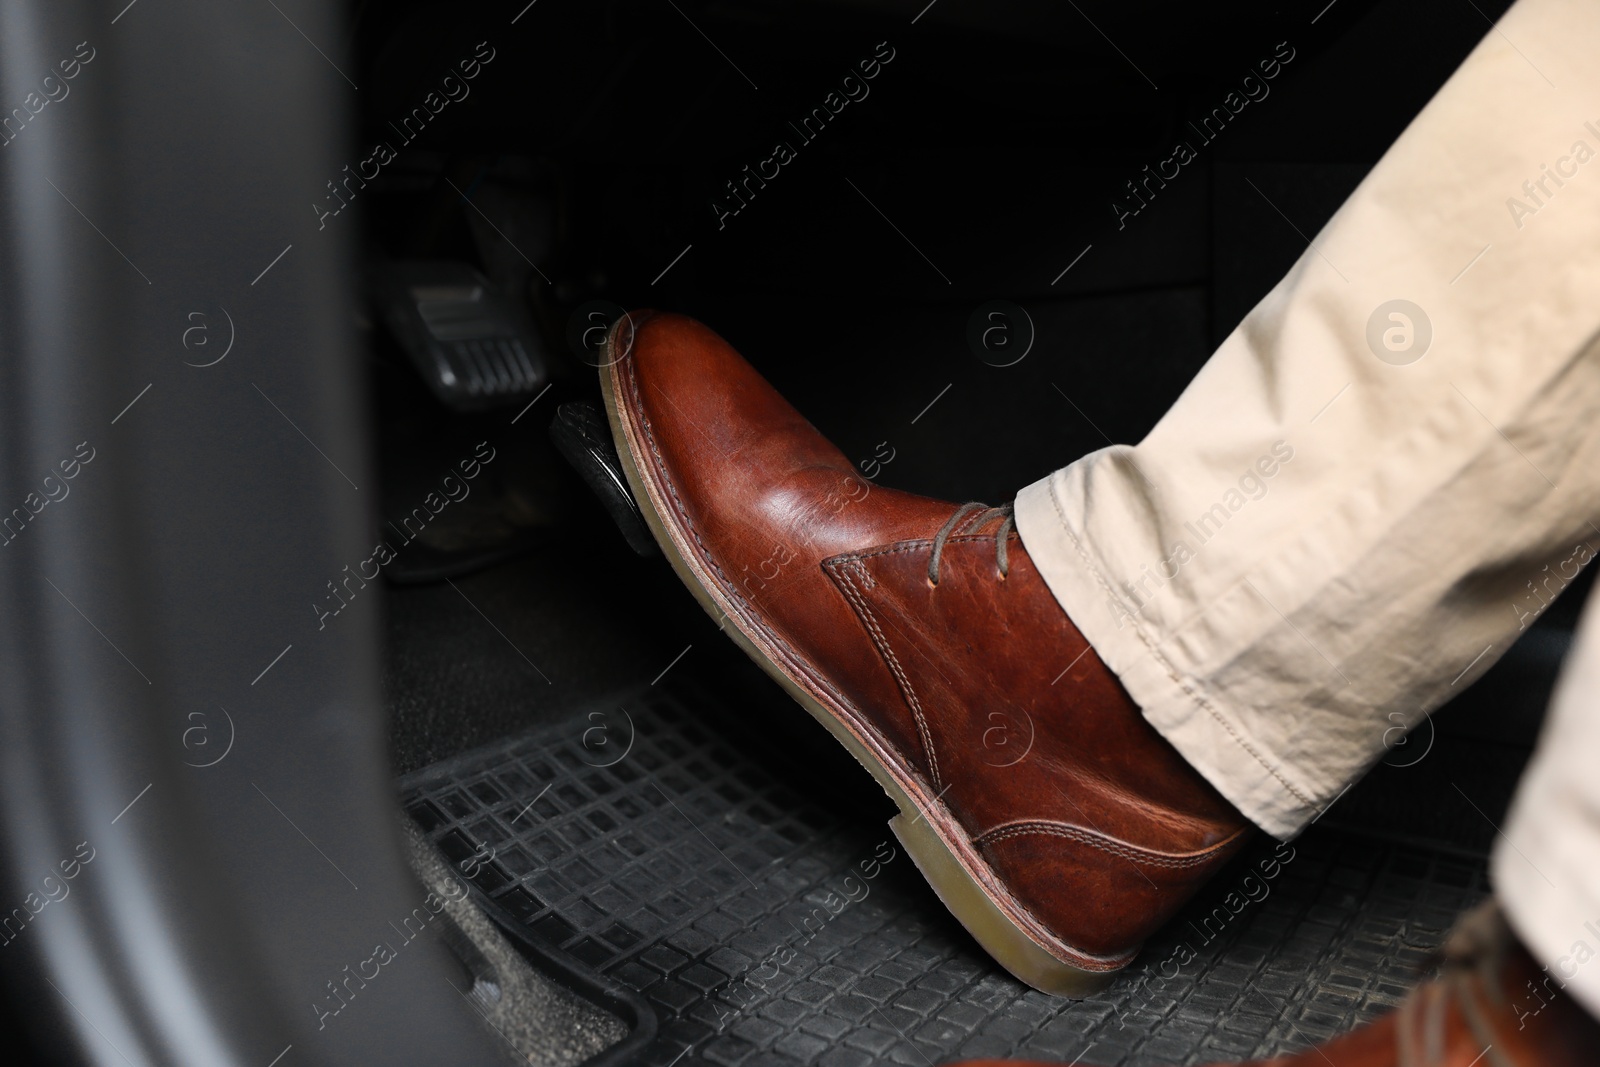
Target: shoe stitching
[
  {"x": 1106, "y": 844},
  {"x": 631, "y": 383},
  {"x": 919, "y": 544},
  {"x": 729, "y": 588},
  {"x": 1172, "y": 672},
  {"x": 678, "y": 506},
  {"x": 845, "y": 573},
  {"x": 970, "y": 518},
  {"x": 905, "y": 546},
  {"x": 1016, "y": 829}
]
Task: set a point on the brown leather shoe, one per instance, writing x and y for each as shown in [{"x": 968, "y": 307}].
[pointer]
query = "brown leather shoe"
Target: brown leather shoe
[
  {"x": 1051, "y": 819},
  {"x": 1494, "y": 1006}
]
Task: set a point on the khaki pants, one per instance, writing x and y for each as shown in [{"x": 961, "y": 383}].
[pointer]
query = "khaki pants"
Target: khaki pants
[{"x": 1380, "y": 477}]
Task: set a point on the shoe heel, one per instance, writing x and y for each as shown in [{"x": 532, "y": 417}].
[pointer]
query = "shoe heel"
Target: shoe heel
[{"x": 1000, "y": 937}]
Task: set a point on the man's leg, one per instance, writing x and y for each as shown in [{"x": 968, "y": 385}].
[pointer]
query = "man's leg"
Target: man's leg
[
  {"x": 1358, "y": 504},
  {"x": 1544, "y": 867},
  {"x": 1053, "y": 819}
]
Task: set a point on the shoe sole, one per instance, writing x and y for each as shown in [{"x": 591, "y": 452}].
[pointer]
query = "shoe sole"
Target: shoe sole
[{"x": 959, "y": 876}]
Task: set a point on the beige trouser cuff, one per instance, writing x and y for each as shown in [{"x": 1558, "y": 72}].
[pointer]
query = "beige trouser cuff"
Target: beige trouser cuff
[{"x": 1199, "y": 722}]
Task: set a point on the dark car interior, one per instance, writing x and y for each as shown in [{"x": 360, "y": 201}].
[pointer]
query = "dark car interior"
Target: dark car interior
[{"x": 951, "y": 233}]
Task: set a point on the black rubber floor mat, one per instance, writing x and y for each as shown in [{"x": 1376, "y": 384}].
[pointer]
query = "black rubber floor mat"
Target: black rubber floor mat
[{"x": 767, "y": 928}]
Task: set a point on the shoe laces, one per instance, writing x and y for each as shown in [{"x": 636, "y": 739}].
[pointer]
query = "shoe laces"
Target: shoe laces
[
  {"x": 1472, "y": 962},
  {"x": 969, "y": 518}
]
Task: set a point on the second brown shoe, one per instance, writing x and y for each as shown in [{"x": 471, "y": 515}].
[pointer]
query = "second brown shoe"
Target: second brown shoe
[
  {"x": 1048, "y": 815},
  {"x": 1492, "y": 1005}
]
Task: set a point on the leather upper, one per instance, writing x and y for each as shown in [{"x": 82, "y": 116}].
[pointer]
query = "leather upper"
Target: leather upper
[{"x": 979, "y": 688}]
